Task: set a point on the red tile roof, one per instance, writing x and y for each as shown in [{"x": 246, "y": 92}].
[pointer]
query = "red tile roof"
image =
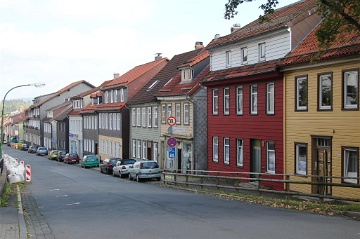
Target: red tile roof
[
  {"x": 102, "y": 107},
  {"x": 347, "y": 46},
  {"x": 281, "y": 18},
  {"x": 196, "y": 59}
]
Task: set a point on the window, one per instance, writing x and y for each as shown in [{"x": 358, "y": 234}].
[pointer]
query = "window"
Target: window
[
  {"x": 138, "y": 117},
  {"x": 144, "y": 154},
  {"x": 155, "y": 116},
  {"x": 114, "y": 121},
  {"x": 133, "y": 116},
  {"x": 215, "y": 148},
  {"x": 301, "y": 93},
  {"x": 215, "y": 103},
  {"x": 106, "y": 97},
  {"x": 138, "y": 151},
  {"x": 118, "y": 121},
  {"x": 270, "y": 156},
  {"x": 239, "y": 100},
  {"x": 187, "y": 74},
  {"x": 226, "y": 101},
  {"x": 226, "y": 150},
  {"x": 186, "y": 113},
  {"x": 300, "y": 158},
  {"x": 270, "y": 98},
  {"x": 253, "y": 99},
  {"x": 149, "y": 118},
  {"x": 228, "y": 58},
  {"x": 244, "y": 55},
  {"x": 239, "y": 153},
  {"x": 350, "y": 164},
  {"x": 351, "y": 89},
  {"x": 143, "y": 117},
  {"x": 169, "y": 110},
  {"x": 106, "y": 121},
  {"x": 115, "y": 95},
  {"x": 134, "y": 148},
  {"x": 178, "y": 113},
  {"x": 122, "y": 95},
  {"x": 111, "y": 121},
  {"x": 111, "y": 96},
  {"x": 262, "y": 52},
  {"x": 163, "y": 113},
  {"x": 324, "y": 93},
  {"x": 155, "y": 147}
]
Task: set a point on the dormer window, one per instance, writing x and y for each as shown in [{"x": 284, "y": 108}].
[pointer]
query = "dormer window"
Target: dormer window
[
  {"x": 228, "y": 58},
  {"x": 244, "y": 55},
  {"x": 262, "y": 51},
  {"x": 187, "y": 74},
  {"x": 122, "y": 99}
]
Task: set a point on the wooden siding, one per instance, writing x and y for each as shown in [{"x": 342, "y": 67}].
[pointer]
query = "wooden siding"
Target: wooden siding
[
  {"x": 342, "y": 125},
  {"x": 102, "y": 148},
  {"x": 261, "y": 126},
  {"x": 277, "y": 46}
]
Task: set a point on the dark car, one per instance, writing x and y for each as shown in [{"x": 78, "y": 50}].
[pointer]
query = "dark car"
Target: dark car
[
  {"x": 61, "y": 155},
  {"x": 107, "y": 165},
  {"x": 24, "y": 147},
  {"x": 71, "y": 158},
  {"x": 32, "y": 149}
]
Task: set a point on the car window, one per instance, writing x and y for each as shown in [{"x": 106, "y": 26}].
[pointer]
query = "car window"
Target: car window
[
  {"x": 127, "y": 162},
  {"x": 112, "y": 161},
  {"x": 148, "y": 165}
]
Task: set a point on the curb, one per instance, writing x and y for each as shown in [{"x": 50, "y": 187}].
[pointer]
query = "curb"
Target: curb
[{"x": 21, "y": 217}]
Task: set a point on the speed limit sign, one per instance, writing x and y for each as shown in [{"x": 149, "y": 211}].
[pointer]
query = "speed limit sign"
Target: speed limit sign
[{"x": 171, "y": 120}]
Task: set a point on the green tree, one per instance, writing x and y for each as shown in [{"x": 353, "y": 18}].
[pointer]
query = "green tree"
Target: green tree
[{"x": 339, "y": 17}]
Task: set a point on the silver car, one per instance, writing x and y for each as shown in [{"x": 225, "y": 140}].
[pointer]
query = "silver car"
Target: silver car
[
  {"x": 122, "y": 166},
  {"x": 147, "y": 169},
  {"x": 41, "y": 151}
]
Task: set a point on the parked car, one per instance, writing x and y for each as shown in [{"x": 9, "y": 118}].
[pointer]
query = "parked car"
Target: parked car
[
  {"x": 60, "y": 155},
  {"x": 53, "y": 154},
  {"x": 71, "y": 158},
  {"x": 147, "y": 169},
  {"x": 122, "y": 166},
  {"x": 41, "y": 151},
  {"x": 32, "y": 149},
  {"x": 107, "y": 165},
  {"x": 24, "y": 147},
  {"x": 90, "y": 160}
]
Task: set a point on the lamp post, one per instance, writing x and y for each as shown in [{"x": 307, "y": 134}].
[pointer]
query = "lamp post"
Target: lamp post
[{"x": 2, "y": 112}]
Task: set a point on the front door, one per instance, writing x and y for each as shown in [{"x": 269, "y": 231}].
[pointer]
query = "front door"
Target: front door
[
  {"x": 255, "y": 158},
  {"x": 321, "y": 166}
]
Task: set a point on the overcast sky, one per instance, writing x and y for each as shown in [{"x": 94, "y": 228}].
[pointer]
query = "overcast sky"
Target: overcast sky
[{"x": 61, "y": 41}]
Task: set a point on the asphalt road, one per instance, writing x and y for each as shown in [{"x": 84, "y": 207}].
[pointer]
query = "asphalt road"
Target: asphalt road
[{"x": 67, "y": 201}]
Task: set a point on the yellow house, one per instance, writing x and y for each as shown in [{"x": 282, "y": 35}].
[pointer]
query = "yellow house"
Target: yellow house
[{"x": 322, "y": 118}]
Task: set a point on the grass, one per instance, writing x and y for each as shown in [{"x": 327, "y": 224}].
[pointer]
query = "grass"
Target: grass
[{"x": 4, "y": 201}]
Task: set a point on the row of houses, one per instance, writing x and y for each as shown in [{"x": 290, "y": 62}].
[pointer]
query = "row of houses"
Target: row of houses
[{"x": 251, "y": 101}]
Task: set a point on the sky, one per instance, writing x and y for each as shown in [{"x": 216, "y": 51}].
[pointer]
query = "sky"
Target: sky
[{"x": 58, "y": 42}]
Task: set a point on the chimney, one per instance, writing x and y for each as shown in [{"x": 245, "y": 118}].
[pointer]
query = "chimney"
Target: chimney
[
  {"x": 116, "y": 75},
  {"x": 199, "y": 45},
  {"x": 158, "y": 56},
  {"x": 235, "y": 27}
]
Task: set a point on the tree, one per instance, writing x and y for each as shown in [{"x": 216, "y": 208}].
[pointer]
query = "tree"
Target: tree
[{"x": 339, "y": 17}]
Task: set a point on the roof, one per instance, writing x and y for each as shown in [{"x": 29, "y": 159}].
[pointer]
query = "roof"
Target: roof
[
  {"x": 148, "y": 92},
  {"x": 349, "y": 45},
  {"x": 61, "y": 91},
  {"x": 60, "y": 112},
  {"x": 18, "y": 118},
  {"x": 266, "y": 67},
  {"x": 134, "y": 73},
  {"x": 281, "y": 18},
  {"x": 102, "y": 107}
]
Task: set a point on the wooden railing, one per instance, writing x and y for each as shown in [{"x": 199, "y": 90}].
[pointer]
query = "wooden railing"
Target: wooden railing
[{"x": 256, "y": 182}]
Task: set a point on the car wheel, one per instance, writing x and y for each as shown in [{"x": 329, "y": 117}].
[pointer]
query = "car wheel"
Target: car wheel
[
  {"x": 158, "y": 179},
  {"x": 137, "y": 178},
  {"x": 130, "y": 177}
]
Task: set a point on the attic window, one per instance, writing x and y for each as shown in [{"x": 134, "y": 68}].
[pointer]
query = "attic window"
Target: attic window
[
  {"x": 187, "y": 74},
  {"x": 152, "y": 85}
]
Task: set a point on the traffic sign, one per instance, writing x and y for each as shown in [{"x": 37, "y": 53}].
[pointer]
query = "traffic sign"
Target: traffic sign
[
  {"x": 171, "y": 120},
  {"x": 171, "y": 142},
  {"x": 171, "y": 153}
]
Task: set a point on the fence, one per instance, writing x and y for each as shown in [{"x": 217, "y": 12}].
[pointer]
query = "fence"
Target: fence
[{"x": 256, "y": 182}]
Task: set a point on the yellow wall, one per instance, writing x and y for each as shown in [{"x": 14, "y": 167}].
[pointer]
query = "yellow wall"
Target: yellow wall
[
  {"x": 342, "y": 126},
  {"x": 102, "y": 150}
]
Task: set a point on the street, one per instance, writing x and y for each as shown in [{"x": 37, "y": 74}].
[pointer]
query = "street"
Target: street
[{"x": 67, "y": 201}]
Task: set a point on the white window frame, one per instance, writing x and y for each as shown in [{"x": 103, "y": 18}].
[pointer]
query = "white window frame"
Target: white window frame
[
  {"x": 351, "y": 81},
  {"x": 239, "y": 100},
  {"x": 133, "y": 117},
  {"x": 321, "y": 79},
  {"x": 348, "y": 152},
  {"x": 239, "y": 152},
  {"x": 300, "y": 158},
  {"x": 143, "y": 117},
  {"x": 244, "y": 55},
  {"x": 270, "y": 157},
  {"x": 215, "y": 148},
  {"x": 118, "y": 121},
  {"x": 138, "y": 151},
  {"x": 110, "y": 121},
  {"x": 253, "y": 99},
  {"x": 215, "y": 101},
  {"x": 122, "y": 98},
  {"x": 163, "y": 113},
  {"x": 155, "y": 151},
  {"x": 300, "y": 91},
  {"x": 270, "y": 98},
  {"x": 228, "y": 58},
  {"x": 178, "y": 113},
  {"x": 226, "y": 150},
  {"x": 138, "y": 117},
  {"x": 262, "y": 51},
  {"x": 186, "y": 113},
  {"x": 134, "y": 148},
  {"x": 144, "y": 149},
  {"x": 187, "y": 74},
  {"x": 226, "y": 101},
  {"x": 155, "y": 118},
  {"x": 169, "y": 110},
  {"x": 149, "y": 117}
]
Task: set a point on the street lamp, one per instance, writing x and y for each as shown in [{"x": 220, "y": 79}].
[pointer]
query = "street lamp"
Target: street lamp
[{"x": 2, "y": 112}]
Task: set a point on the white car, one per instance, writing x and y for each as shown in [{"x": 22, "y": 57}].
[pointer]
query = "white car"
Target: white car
[
  {"x": 147, "y": 169},
  {"x": 122, "y": 166}
]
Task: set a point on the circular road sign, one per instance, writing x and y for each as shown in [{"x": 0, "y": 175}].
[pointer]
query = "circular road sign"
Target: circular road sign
[
  {"x": 171, "y": 120},
  {"x": 171, "y": 142}
]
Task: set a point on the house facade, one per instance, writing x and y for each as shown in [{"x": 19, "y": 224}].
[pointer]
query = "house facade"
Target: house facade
[
  {"x": 322, "y": 117},
  {"x": 245, "y": 93},
  {"x": 145, "y": 122}
]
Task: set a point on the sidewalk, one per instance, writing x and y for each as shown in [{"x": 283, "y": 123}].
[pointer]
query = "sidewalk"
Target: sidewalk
[{"x": 12, "y": 222}]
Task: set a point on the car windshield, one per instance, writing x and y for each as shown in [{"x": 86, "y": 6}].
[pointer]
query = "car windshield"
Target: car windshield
[
  {"x": 42, "y": 148},
  {"x": 148, "y": 165},
  {"x": 127, "y": 162},
  {"x": 91, "y": 157},
  {"x": 113, "y": 161},
  {"x": 62, "y": 152},
  {"x": 73, "y": 155}
]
